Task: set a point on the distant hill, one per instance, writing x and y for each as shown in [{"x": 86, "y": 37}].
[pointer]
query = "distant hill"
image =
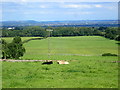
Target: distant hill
[{"x": 61, "y": 23}]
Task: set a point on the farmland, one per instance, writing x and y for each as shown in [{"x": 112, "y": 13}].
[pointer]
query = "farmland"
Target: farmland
[{"x": 87, "y": 68}]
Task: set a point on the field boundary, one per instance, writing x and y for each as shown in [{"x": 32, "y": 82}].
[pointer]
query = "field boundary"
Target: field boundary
[
  {"x": 11, "y": 60},
  {"x": 25, "y": 41}
]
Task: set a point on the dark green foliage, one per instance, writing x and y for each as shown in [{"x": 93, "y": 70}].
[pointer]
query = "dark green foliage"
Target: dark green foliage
[
  {"x": 4, "y": 49},
  {"x": 117, "y": 38},
  {"x": 108, "y": 54},
  {"x": 17, "y": 40},
  {"x": 102, "y": 28},
  {"x": 13, "y": 50},
  {"x": 27, "y": 31},
  {"x": 25, "y": 41},
  {"x": 37, "y": 31},
  {"x": 111, "y": 32}
]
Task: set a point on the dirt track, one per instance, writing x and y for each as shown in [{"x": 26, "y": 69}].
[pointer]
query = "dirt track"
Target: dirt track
[{"x": 11, "y": 60}]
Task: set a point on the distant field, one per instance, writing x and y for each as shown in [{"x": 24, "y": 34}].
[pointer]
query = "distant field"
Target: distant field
[
  {"x": 68, "y": 47},
  {"x": 9, "y": 39},
  {"x": 87, "y": 68}
]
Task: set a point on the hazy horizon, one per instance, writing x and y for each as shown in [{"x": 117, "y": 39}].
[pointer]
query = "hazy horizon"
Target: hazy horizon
[{"x": 56, "y": 20}]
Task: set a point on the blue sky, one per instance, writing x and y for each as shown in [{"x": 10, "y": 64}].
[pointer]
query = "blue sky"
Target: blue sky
[{"x": 58, "y": 11}]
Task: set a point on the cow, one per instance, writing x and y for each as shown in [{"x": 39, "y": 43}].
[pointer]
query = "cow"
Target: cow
[
  {"x": 62, "y": 62},
  {"x": 48, "y": 62}
]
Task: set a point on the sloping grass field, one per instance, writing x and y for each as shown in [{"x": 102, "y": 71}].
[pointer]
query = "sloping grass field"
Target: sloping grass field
[
  {"x": 62, "y": 47},
  {"x": 87, "y": 68}
]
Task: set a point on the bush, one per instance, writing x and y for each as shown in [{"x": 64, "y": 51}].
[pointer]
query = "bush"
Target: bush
[{"x": 109, "y": 54}]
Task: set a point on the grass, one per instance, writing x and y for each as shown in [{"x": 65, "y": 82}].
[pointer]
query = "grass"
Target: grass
[
  {"x": 68, "y": 47},
  {"x": 92, "y": 72},
  {"x": 87, "y": 68},
  {"x": 9, "y": 39}
]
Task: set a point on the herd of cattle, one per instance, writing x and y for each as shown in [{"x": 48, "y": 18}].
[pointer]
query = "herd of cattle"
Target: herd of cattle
[{"x": 58, "y": 62}]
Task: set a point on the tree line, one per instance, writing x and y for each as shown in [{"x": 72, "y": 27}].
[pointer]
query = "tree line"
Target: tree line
[{"x": 37, "y": 31}]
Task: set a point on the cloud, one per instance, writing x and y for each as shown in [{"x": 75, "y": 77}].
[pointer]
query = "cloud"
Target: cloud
[
  {"x": 87, "y": 12},
  {"x": 43, "y": 6},
  {"x": 79, "y": 13},
  {"x": 30, "y": 12},
  {"x": 82, "y": 6},
  {"x": 98, "y": 6},
  {"x": 76, "y": 6},
  {"x": 23, "y": 0}
]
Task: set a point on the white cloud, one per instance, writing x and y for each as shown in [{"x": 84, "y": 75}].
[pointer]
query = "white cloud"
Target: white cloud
[
  {"x": 36, "y": 12},
  {"x": 79, "y": 13},
  {"x": 98, "y": 6},
  {"x": 82, "y": 6},
  {"x": 43, "y": 6},
  {"x": 76, "y": 6},
  {"x": 87, "y": 12},
  {"x": 23, "y": 0}
]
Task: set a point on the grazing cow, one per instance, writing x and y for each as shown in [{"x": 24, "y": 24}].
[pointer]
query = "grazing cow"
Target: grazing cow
[
  {"x": 48, "y": 62},
  {"x": 62, "y": 62}
]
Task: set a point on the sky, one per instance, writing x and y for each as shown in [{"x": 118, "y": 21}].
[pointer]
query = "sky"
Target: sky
[{"x": 58, "y": 11}]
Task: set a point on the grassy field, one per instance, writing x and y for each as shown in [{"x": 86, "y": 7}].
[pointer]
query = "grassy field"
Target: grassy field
[
  {"x": 87, "y": 68},
  {"x": 66, "y": 48},
  {"x": 9, "y": 39}
]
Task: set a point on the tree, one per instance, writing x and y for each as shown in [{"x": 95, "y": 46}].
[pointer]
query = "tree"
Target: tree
[
  {"x": 4, "y": 49},
  {"x": 14, "y": 49}
]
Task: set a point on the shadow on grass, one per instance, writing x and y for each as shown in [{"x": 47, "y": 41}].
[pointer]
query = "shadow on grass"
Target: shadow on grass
[
  {"x": 118, "y": 43},
  {"x": 32, "y": 39}
]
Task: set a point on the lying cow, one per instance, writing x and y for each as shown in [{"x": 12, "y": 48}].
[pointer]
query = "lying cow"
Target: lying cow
[
  {"x": 48, "y": 62},
  {"x": 62, "y": 62}
]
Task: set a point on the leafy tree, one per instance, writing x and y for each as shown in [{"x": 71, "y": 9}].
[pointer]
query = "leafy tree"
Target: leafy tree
[
  {"x": 4, "y": 49},
  {"x": 14, "y": 49}
]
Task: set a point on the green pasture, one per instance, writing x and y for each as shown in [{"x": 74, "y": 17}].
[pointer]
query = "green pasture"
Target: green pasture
[
  {"x": 69, "y": 47},
  {"x": 9, "y": 39},
  {"x": 88, "y": 72},
  {"x": 87, "y": 68}
]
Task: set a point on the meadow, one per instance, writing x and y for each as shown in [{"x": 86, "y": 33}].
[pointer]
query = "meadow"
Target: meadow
[{"x": 87, "y": 68}]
